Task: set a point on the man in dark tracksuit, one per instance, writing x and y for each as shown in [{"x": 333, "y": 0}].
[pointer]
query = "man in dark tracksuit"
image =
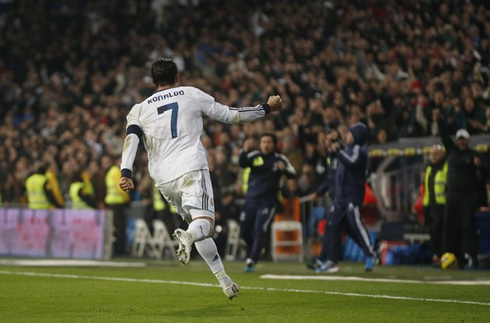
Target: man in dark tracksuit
[
  {"x": 267, "y": 167},
  {"x": 328, "y": 185},
  {"x": 460, "y": 235},
  {"x": 348, "y": 195}
]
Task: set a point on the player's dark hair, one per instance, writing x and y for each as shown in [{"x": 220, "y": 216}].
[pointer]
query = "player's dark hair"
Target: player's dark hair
[
  {"x": 269, "y": 134},
  {"x": 163, "y": 72}
]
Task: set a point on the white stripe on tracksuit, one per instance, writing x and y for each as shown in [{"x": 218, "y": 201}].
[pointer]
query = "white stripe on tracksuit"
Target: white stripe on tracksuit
[
  {"x": 360, "y": 227},
  {"x": 266, "y": 223}
]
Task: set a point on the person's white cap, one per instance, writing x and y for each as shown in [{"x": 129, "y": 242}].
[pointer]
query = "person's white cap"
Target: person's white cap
[{"x": 462, "y": 133}]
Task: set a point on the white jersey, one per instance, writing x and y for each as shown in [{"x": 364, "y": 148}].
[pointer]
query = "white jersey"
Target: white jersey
[{"x": 171, "y": 122}]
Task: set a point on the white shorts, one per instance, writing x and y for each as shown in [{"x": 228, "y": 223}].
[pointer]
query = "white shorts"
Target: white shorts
[{"x": 191, "y": 194}]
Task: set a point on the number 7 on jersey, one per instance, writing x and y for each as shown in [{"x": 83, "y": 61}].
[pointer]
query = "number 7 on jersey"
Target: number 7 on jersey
[{"x": 173, "y": 119}]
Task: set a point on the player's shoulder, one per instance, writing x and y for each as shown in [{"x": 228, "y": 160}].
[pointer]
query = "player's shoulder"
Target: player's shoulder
[
  {"x": 188, "y": 88},
  {"x": 198, "y": 92},
  {"x": 136, "y": 109}
]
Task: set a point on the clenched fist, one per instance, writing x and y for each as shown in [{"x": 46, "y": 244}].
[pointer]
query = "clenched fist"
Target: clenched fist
[
  {"x": 249, "y": 145},
  {"x": 126, "y": 184},
  {"x": 274, "y": 102}
]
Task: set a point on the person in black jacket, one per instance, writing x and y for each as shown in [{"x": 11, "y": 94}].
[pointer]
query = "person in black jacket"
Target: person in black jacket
[
  {"x": 267, "y": 167},
  {"x": 348, "y": 195},
  {"x": 460, "y": 235}
]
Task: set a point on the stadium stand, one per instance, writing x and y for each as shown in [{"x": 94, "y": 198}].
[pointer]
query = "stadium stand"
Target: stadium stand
[{"x": 71, "y": 70}]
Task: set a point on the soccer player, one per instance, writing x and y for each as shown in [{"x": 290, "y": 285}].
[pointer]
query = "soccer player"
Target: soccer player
[
  {"x": 267, "y": 168},
  {"x": 170, "y": 125}
]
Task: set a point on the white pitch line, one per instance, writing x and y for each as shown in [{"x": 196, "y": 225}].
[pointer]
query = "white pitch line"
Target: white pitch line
[
  {"x": 303, "y": 291},
  {"x": 68, "y": 263},
  {"x": 377, "y": 280}
]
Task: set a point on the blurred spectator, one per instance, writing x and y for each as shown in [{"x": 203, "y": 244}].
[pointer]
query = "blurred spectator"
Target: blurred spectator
[
  {"x": 81, "y": 193},
  {"x": 434, "y": 200},
  {"x": 334, "y": 64},
  {"x": 40, "y": 191},
  {"x": 460, "y": 235}
]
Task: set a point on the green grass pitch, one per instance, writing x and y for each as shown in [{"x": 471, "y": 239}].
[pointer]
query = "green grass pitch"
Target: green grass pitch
[{"x": 167, "y": 291}]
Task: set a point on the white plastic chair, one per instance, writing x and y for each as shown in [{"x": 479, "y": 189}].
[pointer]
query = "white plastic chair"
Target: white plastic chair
[
  {"x": 232, "y": 240},
  {"x": 143, "y": 241},
  {"x": 162, "y": 240}
]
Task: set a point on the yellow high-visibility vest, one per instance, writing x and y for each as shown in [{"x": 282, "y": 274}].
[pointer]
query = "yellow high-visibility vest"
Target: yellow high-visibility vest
[
  {"x": 158, "y": 203},
  {"x": 35, "y": 192},
  {"x": 440, "y": 181},
  {"x": 115, "y": 195},
  {"x": 76, "y": 200},
  {"x": 245, "y": 176}
]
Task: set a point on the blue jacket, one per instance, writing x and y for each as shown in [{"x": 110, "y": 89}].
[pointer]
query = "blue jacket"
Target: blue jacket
[
  {"x": 264, "y": 178},
  {"x": 350, "y": 178}
]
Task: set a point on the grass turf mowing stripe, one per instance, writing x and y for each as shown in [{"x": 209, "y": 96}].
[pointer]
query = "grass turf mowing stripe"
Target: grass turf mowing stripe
[
  {"x": 308, "y": 291},
  {"x": 377, "y": 280}
]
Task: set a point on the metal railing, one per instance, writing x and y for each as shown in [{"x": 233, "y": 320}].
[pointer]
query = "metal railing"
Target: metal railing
[{"x": 397, "y": 190}]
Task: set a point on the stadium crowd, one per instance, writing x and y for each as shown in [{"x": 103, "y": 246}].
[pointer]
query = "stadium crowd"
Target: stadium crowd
[{"x": 71, "y": 70}]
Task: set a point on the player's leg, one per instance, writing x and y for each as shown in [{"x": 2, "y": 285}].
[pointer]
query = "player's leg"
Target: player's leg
[
  {"x": 172, "y": 193},
  {"x": 198, "y": 202},
  {"x": 361, "y": 235}
]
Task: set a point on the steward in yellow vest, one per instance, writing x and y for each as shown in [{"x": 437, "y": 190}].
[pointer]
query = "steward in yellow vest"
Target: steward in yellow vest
[
  {"x": 114, "y": 195},
  {"x": 435, "y": 184},
  {"x": 81, "y": 194},
  {"x": 40, "y": 192},
  {"x": 117, "y": 200},
  {"x": 435, "y": 200}
]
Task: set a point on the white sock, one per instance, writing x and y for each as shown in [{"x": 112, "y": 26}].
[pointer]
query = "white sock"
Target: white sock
[
  {"x": 199, "y": 229},
  {"x": 208, "y": 251}
]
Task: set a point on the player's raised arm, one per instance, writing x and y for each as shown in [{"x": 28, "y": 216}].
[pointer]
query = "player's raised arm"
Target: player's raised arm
[
  {"x": 227, "y": 114},
  {"x": 133, "y": 135}
]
